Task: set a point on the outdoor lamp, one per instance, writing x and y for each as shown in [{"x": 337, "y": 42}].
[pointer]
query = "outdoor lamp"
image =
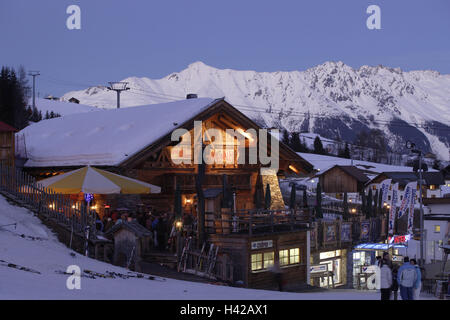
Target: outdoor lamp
[{"x": 179, "y": 224}]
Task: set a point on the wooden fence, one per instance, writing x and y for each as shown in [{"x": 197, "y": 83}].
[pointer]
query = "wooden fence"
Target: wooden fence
[
  {"x": 256, "y": 221},
  {"x": 58, "y": 207}
]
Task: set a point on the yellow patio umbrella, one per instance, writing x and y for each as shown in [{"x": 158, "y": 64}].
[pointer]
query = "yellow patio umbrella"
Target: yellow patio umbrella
[{"x": 96, "y": 181}]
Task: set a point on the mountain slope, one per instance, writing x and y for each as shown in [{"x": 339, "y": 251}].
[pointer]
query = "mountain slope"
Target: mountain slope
[
  {"x": 33, "y": 247},
  {"x": 331, "y": 99}
]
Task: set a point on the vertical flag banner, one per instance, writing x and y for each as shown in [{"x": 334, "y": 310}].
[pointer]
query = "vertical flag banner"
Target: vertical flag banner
[
  {"x": 384, "y": 189},
  {"x": 393, "y": 208},
  {"x": 406, "y": 201},
  {"x": 411, "y": 207}
]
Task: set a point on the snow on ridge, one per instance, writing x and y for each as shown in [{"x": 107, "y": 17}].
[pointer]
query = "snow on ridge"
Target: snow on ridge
[
  {"x": 324, "y": 163},
  {"x": 61, "y": 107},
  {"x": 332, "y": 90}
]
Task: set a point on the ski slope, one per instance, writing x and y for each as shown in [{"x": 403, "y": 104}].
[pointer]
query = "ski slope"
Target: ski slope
[{"x": 34, "y": 246}]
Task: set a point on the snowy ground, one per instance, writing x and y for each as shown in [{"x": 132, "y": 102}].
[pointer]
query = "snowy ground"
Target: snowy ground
[{"x": 34, "y": 246}]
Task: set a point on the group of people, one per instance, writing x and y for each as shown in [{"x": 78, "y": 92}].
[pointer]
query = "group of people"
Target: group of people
[
  {"x": 161, "y": 225},
  {"x": 407, "y": 278}
]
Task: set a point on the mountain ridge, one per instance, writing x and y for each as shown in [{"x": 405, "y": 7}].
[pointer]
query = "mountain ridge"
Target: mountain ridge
[{"x": 331, "y": 99}]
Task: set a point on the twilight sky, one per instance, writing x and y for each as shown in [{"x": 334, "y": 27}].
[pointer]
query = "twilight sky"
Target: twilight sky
[{"x": 154, "y": 38}]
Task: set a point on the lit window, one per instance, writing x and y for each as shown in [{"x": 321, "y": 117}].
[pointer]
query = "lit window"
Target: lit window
[
  {"x": 289, "y": 256},
  {"x": 284, "y": 257},
  {"x": 437, "y": 228},
  {"x": 268, "y": 259},
  {"x": 256, "y": 261},
  {"x": 294, "y": 256},
  {"x": 432, "y": 187},
  {"x": 327, "y": 255}
]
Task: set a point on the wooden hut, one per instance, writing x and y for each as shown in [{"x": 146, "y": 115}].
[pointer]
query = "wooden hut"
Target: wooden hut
[
  {"x": 131, "y": 242},
  {"x": 340, "y": 179}
]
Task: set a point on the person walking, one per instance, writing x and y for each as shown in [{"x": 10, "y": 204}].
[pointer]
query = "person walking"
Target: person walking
[
  {"x": 407, "y": 279},
  {"x": 385, "y": 280},
  {"x": 278, "y": 275},
  {"x": 418, "y": 284},
  {"x": 394, "y": 282}
]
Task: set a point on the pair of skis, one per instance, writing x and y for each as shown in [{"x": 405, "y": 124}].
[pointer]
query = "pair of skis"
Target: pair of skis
[
  {"x": 211, "y": 258},
  {"x": 184, "y": 254},
  {"x": 16, "y": 266}
]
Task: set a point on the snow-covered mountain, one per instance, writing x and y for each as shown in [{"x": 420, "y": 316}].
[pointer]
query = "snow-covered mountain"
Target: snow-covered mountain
[{"x": 331, "y": 99}]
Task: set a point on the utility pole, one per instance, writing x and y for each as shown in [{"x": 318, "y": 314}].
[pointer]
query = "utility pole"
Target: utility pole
[
  {"x": 412, "y": 146},
  {"x": 422, "y": 231},
  {"x": 118, "y": 87},
  {"x": 34, "y": 74}
]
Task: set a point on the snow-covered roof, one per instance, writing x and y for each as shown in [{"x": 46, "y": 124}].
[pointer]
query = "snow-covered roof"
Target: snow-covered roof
[
  {"x": 105, "y": 137},
  {"x": 324, "y": 163},
  {"x": 62, "y": 108}
]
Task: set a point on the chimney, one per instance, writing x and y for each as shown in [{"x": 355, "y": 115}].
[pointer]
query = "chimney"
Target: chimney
[{"x": 191, "y": 96}]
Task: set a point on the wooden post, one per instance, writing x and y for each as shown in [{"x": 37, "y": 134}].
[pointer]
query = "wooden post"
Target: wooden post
[
  {"x": 250, "y": 225},
  {"x": 271, "y": 221}
]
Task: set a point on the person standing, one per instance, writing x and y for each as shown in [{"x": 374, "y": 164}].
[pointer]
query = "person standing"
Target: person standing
[
  {"x": 407, "y": 279},
  {"x": 278, "y": 274},
  {"x": 394, "y": 281},
  {"x": 386, "y": 280},
  {"x": 418, "y": 284}
]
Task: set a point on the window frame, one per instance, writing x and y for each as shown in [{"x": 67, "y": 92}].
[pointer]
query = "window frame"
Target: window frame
[
  {"x": 290, "y": 257},
  {"x": 263, "y": 262}
]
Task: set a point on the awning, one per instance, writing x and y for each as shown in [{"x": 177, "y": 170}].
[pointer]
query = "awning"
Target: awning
[
  {"x": 92, "y": 180},
  {"x": 378, "y": 246}
]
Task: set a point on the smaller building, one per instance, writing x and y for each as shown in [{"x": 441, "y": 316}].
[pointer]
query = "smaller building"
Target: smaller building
[
  {"x": 437, "y": 226},
  {"x": 74, "y": 100},
  {"x": 340, "y": 179},
  {"x": 131, "y": 242},
  {"x": 432, "y": 181},
  {"x": 50, "y": 97}
]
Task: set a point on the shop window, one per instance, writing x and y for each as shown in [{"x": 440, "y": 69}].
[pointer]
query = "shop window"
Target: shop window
[
  {"x": 294, "y": 256},
  {"x": 257, "y": 262},
  {"x": 268, "y": 259},
  {"x": 284, "y": 257},
  {"x": 437, "y": 228},
  {"x": 327, "y": 255},
  {"x": 289, "y": 256},
  {"x": 261, "y": 261}
]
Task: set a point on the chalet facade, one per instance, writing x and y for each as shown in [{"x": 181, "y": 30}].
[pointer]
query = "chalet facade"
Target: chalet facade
[
  {"x": 138, "y": 142},
  {"x": 340, "y": 179}
]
